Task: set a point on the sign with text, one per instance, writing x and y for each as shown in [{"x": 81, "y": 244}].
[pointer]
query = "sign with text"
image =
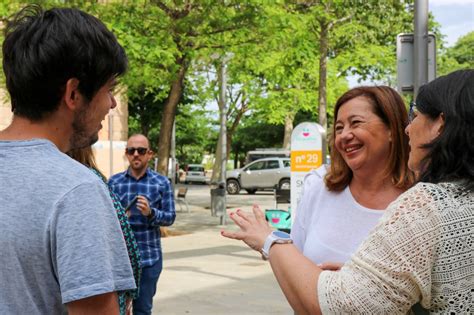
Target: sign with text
[
  {"x": 308, "y": 146},
  {"x": 306, "y": 160}
]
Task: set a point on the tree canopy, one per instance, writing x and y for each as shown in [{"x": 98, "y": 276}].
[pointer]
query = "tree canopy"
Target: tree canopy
[
  {"x": 290, "y": 61},
  {"x": 460, "y": 56}
]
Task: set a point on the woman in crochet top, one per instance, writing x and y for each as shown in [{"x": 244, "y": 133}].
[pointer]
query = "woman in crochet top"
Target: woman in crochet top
[{"x": 420, "y": 255}]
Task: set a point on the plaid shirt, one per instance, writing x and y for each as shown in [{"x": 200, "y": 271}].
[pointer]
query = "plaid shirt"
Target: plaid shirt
[{"x": 157, "y": 190}]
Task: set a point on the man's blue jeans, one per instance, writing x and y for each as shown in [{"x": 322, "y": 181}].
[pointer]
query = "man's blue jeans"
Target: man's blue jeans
[{"x": 150, "y": 275}]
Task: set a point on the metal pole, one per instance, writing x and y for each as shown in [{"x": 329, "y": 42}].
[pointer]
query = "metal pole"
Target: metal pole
[
  {"x": 173, "y": 156},
  {"x": 420, "y": 47},
  {"x": 111, "y": 142},
  {"x": 223, "y": 131}
]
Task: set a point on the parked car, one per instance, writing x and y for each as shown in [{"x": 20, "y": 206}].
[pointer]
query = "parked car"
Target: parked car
[
  {"x": 195, "y": 173},
  {"x": 266, "y": 173},
  {"x": 258, "y": 154}
]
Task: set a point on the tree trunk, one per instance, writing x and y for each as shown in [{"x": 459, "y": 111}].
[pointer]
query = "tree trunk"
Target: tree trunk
[
  {"x": 145, "y": 125},
  {"x": 288, "y": 130},
  {"x": 236, "y": 158},
  {"x": 233, "y": 127},
  {"x": 169, "y": 112},
  {"x": 323, "y": 53}
]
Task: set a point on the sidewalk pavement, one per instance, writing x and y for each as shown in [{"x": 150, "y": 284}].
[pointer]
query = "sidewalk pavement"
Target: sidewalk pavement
[{"x": 205, "y": 273}]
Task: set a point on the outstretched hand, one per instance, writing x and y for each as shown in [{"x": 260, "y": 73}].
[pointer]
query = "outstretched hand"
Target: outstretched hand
[{"x": 254, "y": 229}]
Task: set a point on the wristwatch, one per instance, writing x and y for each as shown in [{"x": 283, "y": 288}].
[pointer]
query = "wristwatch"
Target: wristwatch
[{"x": 277, "y": 237}]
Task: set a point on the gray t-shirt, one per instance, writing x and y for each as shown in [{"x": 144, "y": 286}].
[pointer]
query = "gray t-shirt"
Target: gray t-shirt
[{"x": 60, "y": 237}]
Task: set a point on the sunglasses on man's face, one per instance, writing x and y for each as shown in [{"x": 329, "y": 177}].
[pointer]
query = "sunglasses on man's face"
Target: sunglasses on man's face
[{"x": 140, "y": 150}]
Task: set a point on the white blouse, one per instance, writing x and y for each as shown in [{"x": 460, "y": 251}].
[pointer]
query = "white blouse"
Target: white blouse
[{"x": 330, "y": 226}]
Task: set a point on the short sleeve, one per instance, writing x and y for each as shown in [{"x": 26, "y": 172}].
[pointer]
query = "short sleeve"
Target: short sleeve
[
  {"x": 313, "y": 184},
  {"x": 391, "y": 270},
  {"x": 88, "y": 250}
]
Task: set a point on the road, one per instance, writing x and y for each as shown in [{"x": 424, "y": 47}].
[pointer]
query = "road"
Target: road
[
  {"x": 200, "y": 196},
  {"x": 205, "y": 273}
]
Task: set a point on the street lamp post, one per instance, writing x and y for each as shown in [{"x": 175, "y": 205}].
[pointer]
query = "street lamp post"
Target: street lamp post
[
  {"x": 223, "y": 133},
  {"x": 173, "y": 156},
  {"x": 218, "y": 194},
  {"x": 420, "y": 45}
]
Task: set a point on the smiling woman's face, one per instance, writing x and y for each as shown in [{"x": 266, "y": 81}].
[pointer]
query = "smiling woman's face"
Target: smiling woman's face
[{"x": 361, "y": 137}]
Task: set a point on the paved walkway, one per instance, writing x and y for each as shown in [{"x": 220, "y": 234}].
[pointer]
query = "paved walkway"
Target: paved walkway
[{"x": 205, "y": 273}]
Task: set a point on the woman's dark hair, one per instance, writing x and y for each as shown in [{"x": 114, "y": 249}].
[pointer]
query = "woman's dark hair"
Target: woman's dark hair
[
  {"x": 451, "y": 155},
  {"x": 44, "y": 49},
  {"x": 390, "y": 108}
]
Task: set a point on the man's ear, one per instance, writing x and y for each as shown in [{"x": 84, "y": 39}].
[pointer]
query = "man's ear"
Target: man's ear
[{"x": 72, "y": 96}]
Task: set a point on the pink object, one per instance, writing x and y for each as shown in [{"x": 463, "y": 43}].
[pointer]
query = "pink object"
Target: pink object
[{"x": 275, "y": 220}]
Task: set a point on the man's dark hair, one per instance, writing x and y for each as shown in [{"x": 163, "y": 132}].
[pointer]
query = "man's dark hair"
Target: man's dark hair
[
  {"x": 451, "y": 155},
  {"x": 44, "y": 49}
]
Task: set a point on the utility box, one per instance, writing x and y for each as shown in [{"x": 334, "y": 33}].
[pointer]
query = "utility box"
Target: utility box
[{"x": 406, "y": 62}]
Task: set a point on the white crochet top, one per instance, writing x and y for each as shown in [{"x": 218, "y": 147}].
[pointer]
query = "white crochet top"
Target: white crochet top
[{"x": 421, "y": 251}]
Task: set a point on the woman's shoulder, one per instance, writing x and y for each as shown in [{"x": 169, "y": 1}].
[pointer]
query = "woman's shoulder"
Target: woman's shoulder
[
  {"x": 433, "y": 192},
  {"x": 316, "y": 176},
  {"x": 418, "y": 196},
  {"x": 428, "y": 199},
  {"x": 313, "y": 187}
]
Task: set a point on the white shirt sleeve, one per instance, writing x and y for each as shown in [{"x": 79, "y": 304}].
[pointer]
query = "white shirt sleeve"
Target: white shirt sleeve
[{"x": 313, "y": 182}]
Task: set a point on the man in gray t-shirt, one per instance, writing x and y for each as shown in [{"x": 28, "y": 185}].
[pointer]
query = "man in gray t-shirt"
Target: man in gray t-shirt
[{"x": 62, "y": 249}]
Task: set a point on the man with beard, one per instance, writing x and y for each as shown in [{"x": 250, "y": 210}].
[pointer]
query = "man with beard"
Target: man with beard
[
  {"x": 154, "y": 207},
  {"x": 62, "y": 248}
]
